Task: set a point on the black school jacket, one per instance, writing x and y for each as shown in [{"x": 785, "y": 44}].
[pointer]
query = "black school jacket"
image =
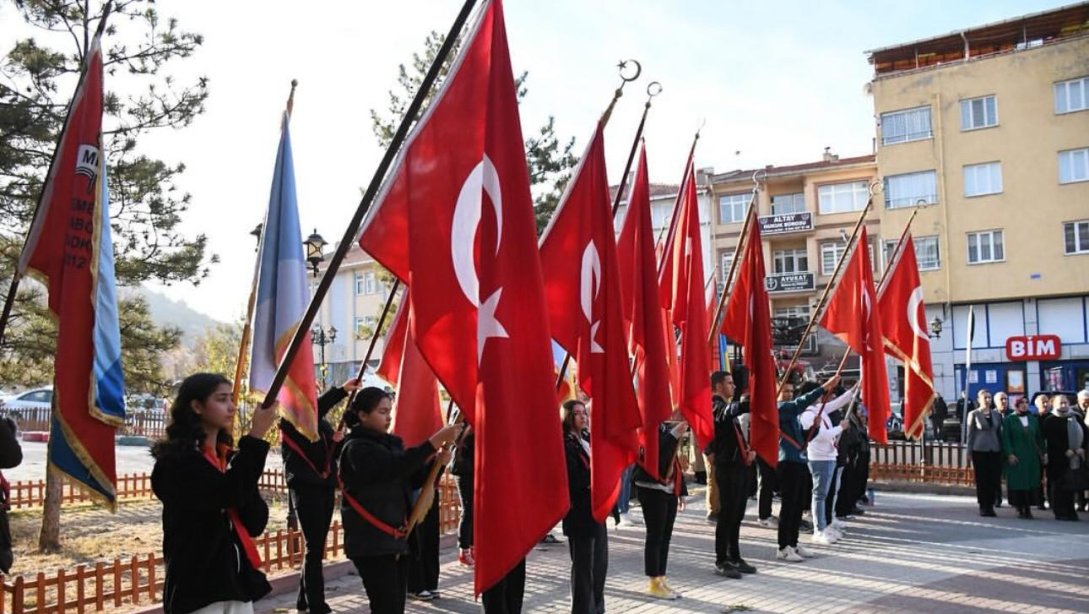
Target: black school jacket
[
  {"x": 205, "y": 562},
  {"x": 579, "y": 521},
  {"x": 667, "y": 459},
  {"x": 299, "y": 473},
  {"x": 380, "y": 474}
]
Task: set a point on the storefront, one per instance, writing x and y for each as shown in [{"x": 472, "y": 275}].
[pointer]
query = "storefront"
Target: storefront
[{"x": 1068, "y": 375}]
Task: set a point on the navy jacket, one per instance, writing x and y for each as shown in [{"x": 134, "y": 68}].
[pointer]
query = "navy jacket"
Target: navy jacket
[{"x": 789, "y": 426}]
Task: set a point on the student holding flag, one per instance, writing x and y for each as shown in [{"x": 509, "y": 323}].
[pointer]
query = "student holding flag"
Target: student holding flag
[{"x": 211, "y": 507}]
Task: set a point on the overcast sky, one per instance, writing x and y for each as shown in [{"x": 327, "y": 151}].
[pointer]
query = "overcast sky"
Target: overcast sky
[{"x": 775, "y": 81}]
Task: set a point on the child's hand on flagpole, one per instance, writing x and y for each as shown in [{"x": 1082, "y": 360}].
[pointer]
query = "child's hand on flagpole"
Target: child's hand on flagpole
[
  {"x": 351, "y": 385},
  {"x": 263, "y": 419}
]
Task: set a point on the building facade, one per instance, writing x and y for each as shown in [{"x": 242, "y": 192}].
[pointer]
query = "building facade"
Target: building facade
[{"x": 985, "y": 133}]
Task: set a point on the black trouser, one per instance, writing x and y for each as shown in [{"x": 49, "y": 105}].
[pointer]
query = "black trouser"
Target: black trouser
[
  {"x": 423, "y": 567},
  {"x": 589, "y": 566},
  {"x": 850, "y": 488},
  {"x": 752, "y": 481},
  {"x": 767, "y": 487},
  {"x": 1062, "y": 500},
  {"x": 465, "y": 526},
  {"x": 733, "y": 494},
  {"x": 384, "y": 578},
  {"x": 807, "y": 493},
  {"x": 659, "y": 514},
  {"x": 505, "y": 597},
  {"x": 314, "y": 509},
  {"x": 792, "y": 480},
  {"x": 1021, "y": 500},
  {"x": 988, "y": 467},
  {"x": 1041, "y": 490}
]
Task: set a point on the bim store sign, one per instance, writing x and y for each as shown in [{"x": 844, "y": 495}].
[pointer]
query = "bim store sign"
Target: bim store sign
[
  {"x": 1033, "y": 347},
  {"x": 785, "y": 223},
  {"x": 789, "y": 282}
]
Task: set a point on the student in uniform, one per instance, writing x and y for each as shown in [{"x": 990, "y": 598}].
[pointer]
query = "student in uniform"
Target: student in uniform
[
  {"x": 660, "y": 500},
  {"x": 211, "y": 506},
  {"x": 586, "y": 538},
  {"x": 377, "y": 477}
]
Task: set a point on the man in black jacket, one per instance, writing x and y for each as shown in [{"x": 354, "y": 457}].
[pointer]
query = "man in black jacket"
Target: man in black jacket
[
  {"x": 310, "y": 468},
  {"x": 732, "y": 458}
]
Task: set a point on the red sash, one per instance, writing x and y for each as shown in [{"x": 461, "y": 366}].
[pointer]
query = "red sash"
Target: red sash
[
  {"x": 220, "y": 463},
  {"x": 400, "y": 532},
  {"x": 741, "y": 445},
  {"x": 299, "y": 451}
]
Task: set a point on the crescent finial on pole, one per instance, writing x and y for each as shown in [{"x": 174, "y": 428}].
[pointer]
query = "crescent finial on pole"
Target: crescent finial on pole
[{"x": 624, "y": 80}]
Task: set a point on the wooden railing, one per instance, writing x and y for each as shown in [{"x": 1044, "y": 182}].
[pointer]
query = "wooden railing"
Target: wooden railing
[
  {"x": 932, "y": 463},
  {"x": 137, "y": 424},
  {"x": 139, "y": 579}
]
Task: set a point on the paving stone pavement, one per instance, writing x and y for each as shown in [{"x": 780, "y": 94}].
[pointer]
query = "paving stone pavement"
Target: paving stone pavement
[{"x": 910, "y": 553}]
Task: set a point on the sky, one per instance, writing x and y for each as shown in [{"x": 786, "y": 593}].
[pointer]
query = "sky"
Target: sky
[{"x": 771, "y": 82}]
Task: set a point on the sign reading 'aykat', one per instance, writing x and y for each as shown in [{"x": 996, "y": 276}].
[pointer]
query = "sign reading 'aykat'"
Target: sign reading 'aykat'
[{"x": 1033, "y": 347}]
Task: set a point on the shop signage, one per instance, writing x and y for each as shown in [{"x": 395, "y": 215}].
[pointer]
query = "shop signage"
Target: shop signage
[
  {"x": 785, "y": 223},
  {"x": 1033, "y": 347},
  {"x": 790, "y": 282}
]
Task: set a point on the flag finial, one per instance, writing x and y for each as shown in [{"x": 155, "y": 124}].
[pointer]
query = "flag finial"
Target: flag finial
[
  {"x": 291, "y": 97},
  {"x": 624, "y": 80}
]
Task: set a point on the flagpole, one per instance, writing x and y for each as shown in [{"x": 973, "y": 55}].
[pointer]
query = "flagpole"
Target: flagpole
[
  {"x": 652, "y": 91},
  {"x": 374, "y": 341},
  {"x": 895, "y": 255},
  {"x": 680, "y": 192},
  {"x": 364, "y": 206},
  {"x": 824, "y": 296},
  {"x": 742, "y": 241},
  {"x": 17, "y": 275}
]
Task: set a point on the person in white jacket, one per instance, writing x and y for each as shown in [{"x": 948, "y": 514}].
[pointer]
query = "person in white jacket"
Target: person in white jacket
[{"x": 822, "y": 423}]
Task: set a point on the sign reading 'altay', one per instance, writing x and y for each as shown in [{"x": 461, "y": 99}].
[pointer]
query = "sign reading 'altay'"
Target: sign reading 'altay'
[
  {"x": 790, "y": 282},
  {"x": 785, "y": 223}
]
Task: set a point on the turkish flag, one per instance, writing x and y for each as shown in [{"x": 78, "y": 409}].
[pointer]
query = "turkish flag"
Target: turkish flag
[
  {"x": 582, "y": 291},
  {"x": 643, "y": 312},
  {"x": 853, "y": 316},
  {"x": 455, "y": 219},
  {"x": 903, "y": 320},
  {"x": 748, "y": 320},
  {"x": 690, "y": 315},
  {"x": 417, "y": 412},
  {"x": 665, "y": 256}
]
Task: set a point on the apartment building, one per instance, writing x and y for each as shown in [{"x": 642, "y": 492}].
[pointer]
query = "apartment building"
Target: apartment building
[
  {"x": 985, "y": 132},
  {"x": 806, "y": 212}
]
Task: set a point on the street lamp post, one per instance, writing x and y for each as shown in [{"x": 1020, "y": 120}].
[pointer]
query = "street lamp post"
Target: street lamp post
[{"x": 322, "y": 337}]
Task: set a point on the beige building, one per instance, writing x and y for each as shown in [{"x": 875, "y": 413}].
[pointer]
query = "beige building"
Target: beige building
[
  {"x": 352, "y": 307},
  {"x": 985, "y": 132},
  {"x": 805, "y": 212}
]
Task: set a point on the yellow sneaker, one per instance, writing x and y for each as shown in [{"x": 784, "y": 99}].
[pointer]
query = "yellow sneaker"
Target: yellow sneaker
[
  {"x": 665, "y": 584},
  {"x": 658, "y": 589}
]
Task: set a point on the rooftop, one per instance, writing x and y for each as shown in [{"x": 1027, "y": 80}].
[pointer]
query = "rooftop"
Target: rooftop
[
  {"x": 1016, "y": 34},
  {"x": 828, "y": 163}
]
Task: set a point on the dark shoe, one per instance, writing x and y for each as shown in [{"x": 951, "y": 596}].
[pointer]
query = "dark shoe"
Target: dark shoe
[
  {"x": 857, "y": 511},
  {"x": 742, "y": 566},
  {"x": 805, "y": 525},
  {"x": 421, "y": 596},
  {"x": 550, "y": 539},
  {"x": 987, "y": 512},
  {"x": 998, "y": 503},
  {"x": 701, "y": 478},
  {"x": 712, "y": 518},
  {"x": 727, "y": 570}
]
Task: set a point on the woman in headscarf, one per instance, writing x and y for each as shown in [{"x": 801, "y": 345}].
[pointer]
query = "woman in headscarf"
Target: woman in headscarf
[
  {"x": 1067, "y": 443},
  {"x": 1023, "y": 450}
]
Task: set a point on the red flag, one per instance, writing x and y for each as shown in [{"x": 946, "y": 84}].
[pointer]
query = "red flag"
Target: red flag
[
  {"x": 642, "y": 309},
  {"x": 455, "y": 219},
  {"x": 903, "y": 320},
  {"x": 69, "y": 250},
  {"x": 748, "y": 320},
  {"x": 690, "y": 314},
  {"x": 853, "y": 315},
  {"x": 582, "y": 292},
  {"x": 417, "y": 413}
]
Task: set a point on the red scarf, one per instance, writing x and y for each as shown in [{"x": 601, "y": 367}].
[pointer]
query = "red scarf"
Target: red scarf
[{"x": 219, "y": 461}]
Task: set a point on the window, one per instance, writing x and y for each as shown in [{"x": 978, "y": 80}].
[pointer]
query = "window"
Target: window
[
  {"x": 982, "y": 179},
  {"x": 926, "y": 253},
  {"x": 787, "y": 203},
  {"x": 660, "y": 213},
  {"x": 909, "y": 189},
  {"x": 731, "y": 208},
  {"x": 364, "y": 327},
  {"x": 831, "y": 252},
  {"x": 727, "y": 259},
  {"x": 1077, "y": 237},
  {"x": 985, "y": 246},
  {"x": 842, "y": 197},
  {"x": 906, "y": 125},
  {"x": 978, "y": 113},
  {"x": 1072, "y": 95},
  {"x": 790, "y": 260},
  {"x": 1074, "y": 165},
  {"x": 359, "y": 283}
]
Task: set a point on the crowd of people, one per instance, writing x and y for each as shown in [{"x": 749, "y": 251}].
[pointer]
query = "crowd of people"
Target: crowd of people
[{"x": 212, "y": 509}]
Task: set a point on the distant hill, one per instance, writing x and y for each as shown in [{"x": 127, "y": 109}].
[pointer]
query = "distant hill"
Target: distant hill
[{"x": 166, "y": 311}]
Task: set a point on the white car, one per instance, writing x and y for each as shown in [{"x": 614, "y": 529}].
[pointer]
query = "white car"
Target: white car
[{"x": 36, "y": 398}]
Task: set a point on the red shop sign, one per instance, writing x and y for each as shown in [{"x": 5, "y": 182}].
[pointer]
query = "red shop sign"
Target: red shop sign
[{"x": 1034, "y": 347}]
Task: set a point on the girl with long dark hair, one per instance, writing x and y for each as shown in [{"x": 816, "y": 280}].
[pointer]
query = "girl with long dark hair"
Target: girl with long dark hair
[
  {"x": 586, "y": 538},
  {"x": 211, "y": 507}
]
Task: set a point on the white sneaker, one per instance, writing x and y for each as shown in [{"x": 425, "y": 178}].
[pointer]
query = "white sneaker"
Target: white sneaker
[
  {"x": 789, "y": 555},
  {"x": 839, "y": 526},
  {"x": 823, "y": 538},
  {"x": 770, "y": 522},
  {"x": 626, "y": 520},
  {"x": 804, "y": 552},
  {"x": 834, "y": 533}
]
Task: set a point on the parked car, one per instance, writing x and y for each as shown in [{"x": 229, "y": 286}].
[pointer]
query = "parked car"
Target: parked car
[{"x": 36, "y": 398}]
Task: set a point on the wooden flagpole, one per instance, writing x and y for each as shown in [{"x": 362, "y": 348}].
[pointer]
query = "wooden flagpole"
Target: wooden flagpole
[
  {"x": 374, "y": 341},
  {"x": 303, "y": 329},
  {"x": 742, "y": 242}
]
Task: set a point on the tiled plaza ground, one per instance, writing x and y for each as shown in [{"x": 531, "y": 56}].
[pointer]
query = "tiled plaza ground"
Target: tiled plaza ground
[{"x": 911, "y": 553}]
